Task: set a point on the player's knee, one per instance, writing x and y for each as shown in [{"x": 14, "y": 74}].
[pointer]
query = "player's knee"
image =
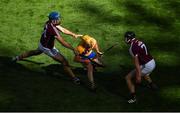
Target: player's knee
[
  {"x": 89, "y": 66},
  {"x": 65, "y": 63},
  {"x": 65, "y": 67},
  {"x": 128, "y": 77},
  {"x": 35, "y": 52}
]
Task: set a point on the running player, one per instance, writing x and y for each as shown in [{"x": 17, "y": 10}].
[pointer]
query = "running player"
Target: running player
[{"x": 46, "y": 44}]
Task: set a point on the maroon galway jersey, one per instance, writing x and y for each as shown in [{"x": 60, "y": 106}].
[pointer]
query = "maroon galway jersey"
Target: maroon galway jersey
[
  {"x": 140, "y": 49},
  {"x": 48, "y": 35}
]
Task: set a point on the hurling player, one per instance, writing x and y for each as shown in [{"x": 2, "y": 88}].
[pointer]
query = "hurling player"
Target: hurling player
[
  {"x": 87, "y": 56},
  {"x": 46, "y": 44},
  {"x": 143, "y": 61}
]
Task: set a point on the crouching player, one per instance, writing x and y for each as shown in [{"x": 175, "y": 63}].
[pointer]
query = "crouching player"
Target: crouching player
[
  {"x": 143, "y": 61},
  {"x": 88, "y": 57}
]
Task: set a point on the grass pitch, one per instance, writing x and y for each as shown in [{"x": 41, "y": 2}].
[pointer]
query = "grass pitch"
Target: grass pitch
[{"x": 39, "y": 84}]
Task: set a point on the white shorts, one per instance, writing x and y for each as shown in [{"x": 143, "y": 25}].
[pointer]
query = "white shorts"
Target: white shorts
[
  {"x": 50, "y": 52},
  {"x": 146, "y": 69}
]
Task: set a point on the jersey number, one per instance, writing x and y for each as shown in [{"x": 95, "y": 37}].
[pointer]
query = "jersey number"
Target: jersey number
[{"x": 144, "y": 47}]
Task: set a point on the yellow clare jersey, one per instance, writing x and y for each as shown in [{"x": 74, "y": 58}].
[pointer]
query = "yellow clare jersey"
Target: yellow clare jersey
[
  {"x": 80, "y": 49},
  {"x": 86, "y": 45},
  {"x": 89, "y": 40}
]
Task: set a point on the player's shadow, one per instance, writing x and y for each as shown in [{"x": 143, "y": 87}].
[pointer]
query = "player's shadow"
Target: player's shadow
[
  {"x": 113, "y": 82},
  {"x": 34, "y": 62},
  {"x": 7, "y": 66},
  {"x": 59, "y": 69},
  {"x": 54, "y": 70}
]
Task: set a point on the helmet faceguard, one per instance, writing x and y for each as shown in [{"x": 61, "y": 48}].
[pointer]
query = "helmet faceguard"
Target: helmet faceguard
[
  {"x": 54, "y": 17},
  {"x": 129, "y": 35}
]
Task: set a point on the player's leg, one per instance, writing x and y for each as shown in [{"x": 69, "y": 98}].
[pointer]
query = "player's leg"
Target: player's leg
[
  {"x": 54, "y": 53},
  {"x": 89, "y": 67},
  {"x": 151, "y": 84},
  {"x": 60, "y": 58},
  {"x": 131, "y": 86},
  {"x": 27, "y": 54},
  {"x": 38, "y": 51},
  {"x": 96, "y": 47},
  {"x": 146, "y": 71},
  {"x": 147, "y": 78},
  {"x": 90, "y": 76}
]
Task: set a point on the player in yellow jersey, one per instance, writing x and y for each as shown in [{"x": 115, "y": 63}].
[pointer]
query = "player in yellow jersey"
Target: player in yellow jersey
[{"x": 89, "y": 52}]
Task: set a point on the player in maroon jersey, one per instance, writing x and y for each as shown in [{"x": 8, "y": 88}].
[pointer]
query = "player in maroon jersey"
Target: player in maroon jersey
[
  {"x": 46, "y": 45},
  {"x": 143, "y": 61}
]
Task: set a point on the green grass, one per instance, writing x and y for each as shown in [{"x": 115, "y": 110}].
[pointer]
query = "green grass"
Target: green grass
[{"x": 29, "y": 86}]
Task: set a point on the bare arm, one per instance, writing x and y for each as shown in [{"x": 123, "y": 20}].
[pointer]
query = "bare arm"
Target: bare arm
[
  {"x": 64, "y": 43},
  {"x": 138, "y": 71},
  {"x": 66, "y": 31},
  {"x": 96, "y": 48}
]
